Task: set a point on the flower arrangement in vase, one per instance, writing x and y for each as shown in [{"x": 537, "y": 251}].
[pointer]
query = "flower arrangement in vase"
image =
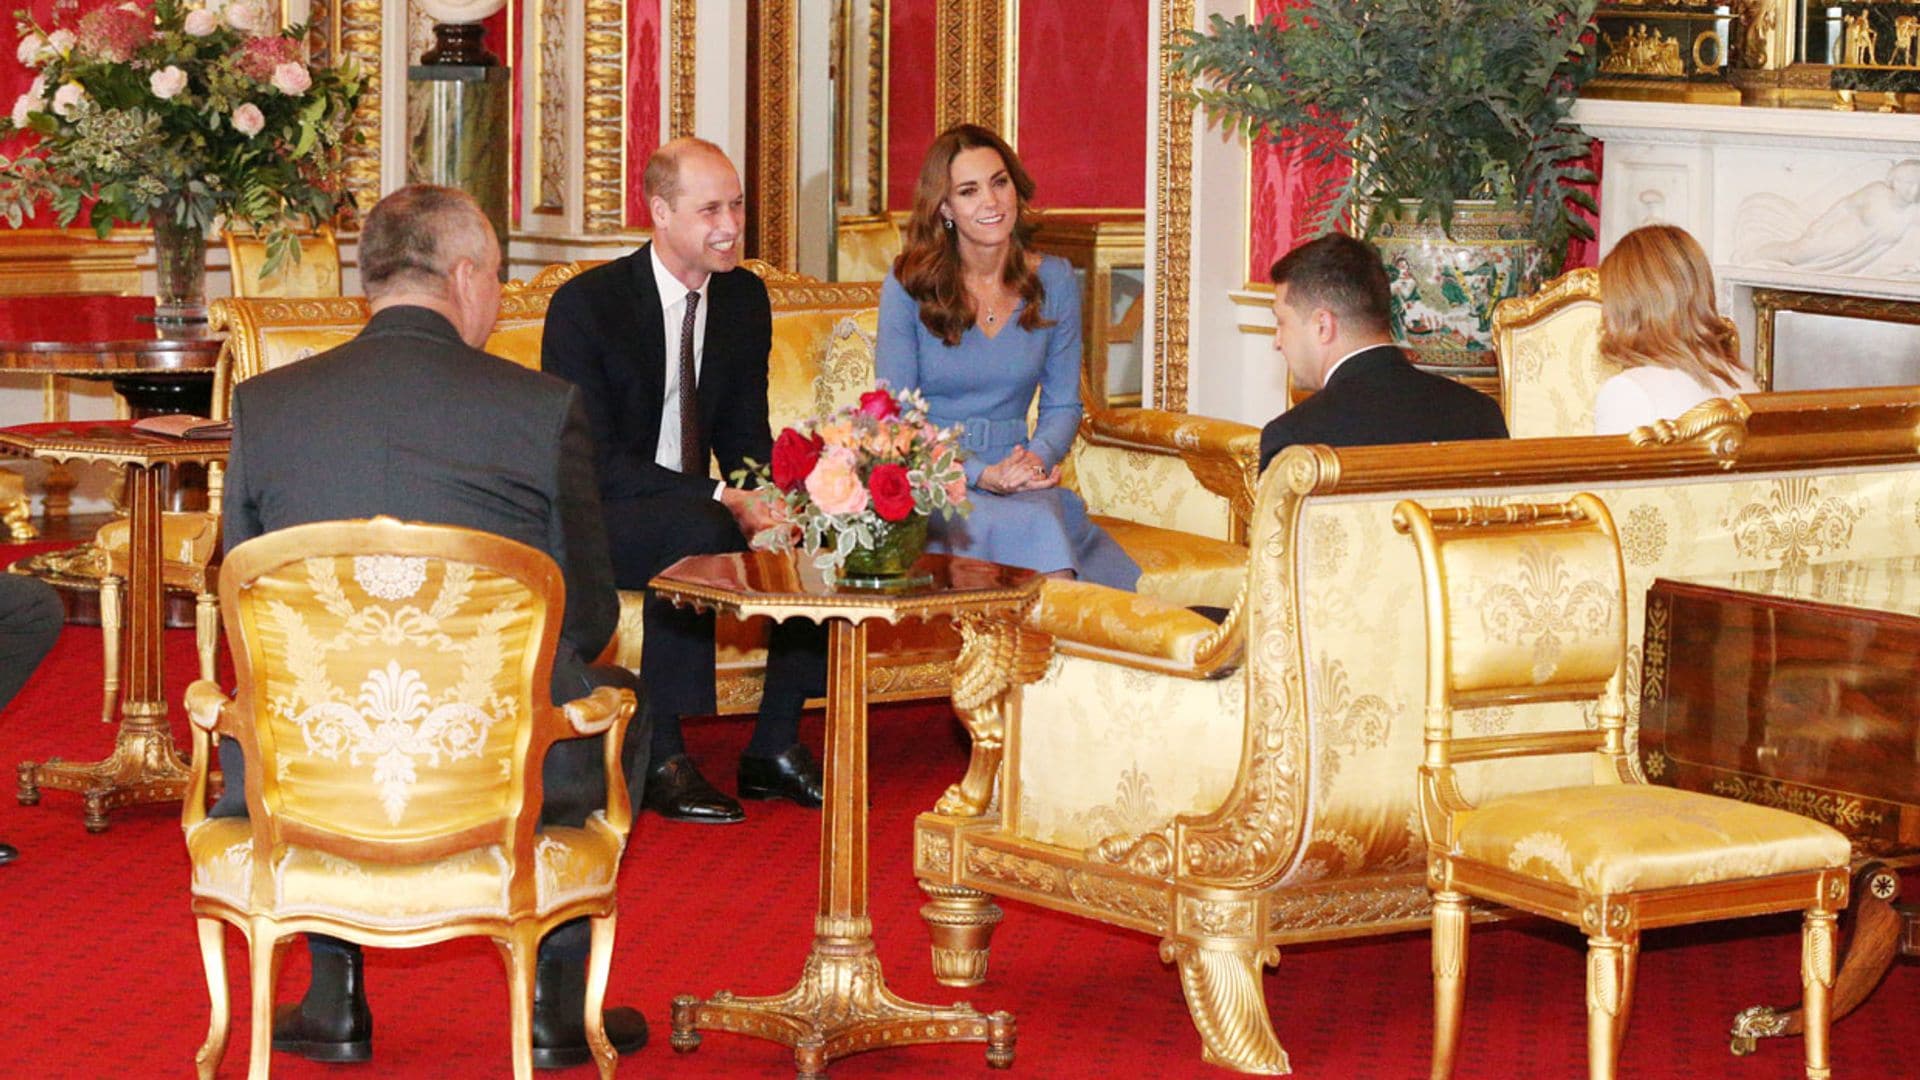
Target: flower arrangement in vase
[
  {"x": 856, "y": 488},
  {"x": 176, "y": 115}
]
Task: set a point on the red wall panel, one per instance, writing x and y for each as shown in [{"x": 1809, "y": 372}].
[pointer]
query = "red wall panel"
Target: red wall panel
[
  {"x": 1083, "y": 102},
  {"x": 1285, "y": 191},
  {"x": 909, "y": 96},
  {"x": 644, "y": 124},
  {"x": 15, "y": 77}
]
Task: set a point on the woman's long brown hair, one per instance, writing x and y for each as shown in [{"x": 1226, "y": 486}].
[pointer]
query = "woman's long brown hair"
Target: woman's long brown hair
[
  {"x": 929, "y": 262},
  {"x": 1657, "y": 310}
]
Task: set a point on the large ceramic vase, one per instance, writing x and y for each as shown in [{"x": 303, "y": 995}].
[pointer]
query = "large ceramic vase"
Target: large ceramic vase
[
  {"x": 179, "y": 269},
  {"x": 896, "y": 547},
  {"x": 1445, "y": 287}
]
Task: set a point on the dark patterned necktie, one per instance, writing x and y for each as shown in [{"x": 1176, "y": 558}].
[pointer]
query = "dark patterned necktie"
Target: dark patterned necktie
[{"x": 692, "y": 454}]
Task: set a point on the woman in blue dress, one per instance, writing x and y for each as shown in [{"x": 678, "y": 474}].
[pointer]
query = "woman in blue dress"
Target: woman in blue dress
[{"x": 976, "y": 320}]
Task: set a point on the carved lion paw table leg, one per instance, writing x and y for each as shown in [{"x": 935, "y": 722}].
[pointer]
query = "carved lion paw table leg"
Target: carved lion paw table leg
[{"x": 1870, "y": 950}]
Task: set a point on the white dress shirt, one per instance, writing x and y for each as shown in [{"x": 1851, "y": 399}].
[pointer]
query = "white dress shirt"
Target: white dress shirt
[{"x": 673, "y": 312}]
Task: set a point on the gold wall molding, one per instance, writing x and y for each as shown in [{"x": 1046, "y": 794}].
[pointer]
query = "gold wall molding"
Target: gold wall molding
[
  {"x": 352, "y": 32},
  {"x": 774, "y": 154},
  {"x": 550, "y": 83},
  {"x": 682, "y": 69},
  {"x": 605, "y": 165},
  {"x": 976, "y": 57},
  {"x": 1172, "y": 239}
]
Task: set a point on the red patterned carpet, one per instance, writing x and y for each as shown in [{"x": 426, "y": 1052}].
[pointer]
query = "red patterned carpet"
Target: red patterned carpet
[{"x": 101, "y": 974}]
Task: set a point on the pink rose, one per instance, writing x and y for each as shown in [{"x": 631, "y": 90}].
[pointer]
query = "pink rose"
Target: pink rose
[
  {"x": 247, "y": 16},
  {"x": 834, "y": 485},
  {"x": 248, "y": 120},
  {"x": 23, "y": 105},
  {"x": 879, "y": 404},
  {"x": 957, "y": 491},
  {"x": 30, "y": 49},
  {"x": 167, "y": 82},
  {"x": 291, "y": 79},
  {"x": 61, "y": 41},
  {"x": 200, "y": 22}
]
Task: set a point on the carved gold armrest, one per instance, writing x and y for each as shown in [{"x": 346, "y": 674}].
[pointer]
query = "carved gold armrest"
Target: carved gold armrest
[
  {"x": 1222, "y": 455},
  {"x": 607, "y": 711},
  {"x": 1127, "y": 628},
  {"x": 206, "y": 706}
]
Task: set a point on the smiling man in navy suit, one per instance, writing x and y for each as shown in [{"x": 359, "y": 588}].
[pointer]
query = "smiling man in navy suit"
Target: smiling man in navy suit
[{"x": 634, "y": 334}]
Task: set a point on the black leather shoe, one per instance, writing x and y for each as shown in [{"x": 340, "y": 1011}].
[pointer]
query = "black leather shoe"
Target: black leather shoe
[
  {"x": 559, "y": 1018},
  {"x": 8, "y": 853},
  {"x": 792, "y": 775},
  {"x": 332, "y": 1023},
  {"x": 676, "y": 791}
]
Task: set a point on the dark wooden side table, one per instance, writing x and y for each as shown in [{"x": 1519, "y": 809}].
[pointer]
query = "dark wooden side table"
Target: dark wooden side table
[
  {"x": 1797, "y": 689},
  {"x": 841, "y": 1004},
  {"x": 144, "y": 765}
]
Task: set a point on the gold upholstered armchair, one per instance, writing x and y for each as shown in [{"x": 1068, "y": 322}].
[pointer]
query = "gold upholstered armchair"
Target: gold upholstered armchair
[
  {"x": 1612, "y": 857},
  {"x": 392, "y": 708},
  {"x": 1550, "y": 362}
]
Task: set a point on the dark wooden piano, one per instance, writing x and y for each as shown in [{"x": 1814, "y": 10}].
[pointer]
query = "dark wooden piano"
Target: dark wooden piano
[{"x": 1800, "y": 689}]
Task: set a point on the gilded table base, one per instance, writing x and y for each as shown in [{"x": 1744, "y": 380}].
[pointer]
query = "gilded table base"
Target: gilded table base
[
  {"x": 143, "y": 768},
  {"x": 840, "y": 1006}
]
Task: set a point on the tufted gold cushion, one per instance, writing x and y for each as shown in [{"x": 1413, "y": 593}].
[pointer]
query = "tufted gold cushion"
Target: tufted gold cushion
[
  {"x": 189, "y": 537},
  {"x": 1623, "y": 838},
  {"x": 1180, "y": 568}
]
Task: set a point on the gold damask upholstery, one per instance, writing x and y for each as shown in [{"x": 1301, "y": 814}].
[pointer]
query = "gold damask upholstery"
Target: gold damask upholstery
[
  {"x": 867, "y": 246},
  {"x": 1611, "y": 857},
  {"x": 1550, "y": 362},
  {"x": 316, "y": 274},
  {"x": 392, "y": 708},
  {"x": 1236, "y": 793}
]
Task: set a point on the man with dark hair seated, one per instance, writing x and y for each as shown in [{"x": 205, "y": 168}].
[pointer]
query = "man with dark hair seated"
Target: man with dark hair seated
[
  {"x": 411, "y": 420},
  {"x": 30, "y": 621},
  {"x": 1331, "y": 323}
]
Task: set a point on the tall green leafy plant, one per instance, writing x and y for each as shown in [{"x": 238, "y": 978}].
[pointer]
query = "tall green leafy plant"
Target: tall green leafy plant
[{"x": 1435, "y": 101}]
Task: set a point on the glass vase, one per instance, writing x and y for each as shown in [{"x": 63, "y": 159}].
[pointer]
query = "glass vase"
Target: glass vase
[
  {"x": 896, "y": 547},
  {"x": 179, "y": 269}
]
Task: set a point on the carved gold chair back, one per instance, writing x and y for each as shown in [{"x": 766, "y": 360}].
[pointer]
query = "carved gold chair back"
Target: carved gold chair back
[
  {"x": 391, "y": 704},
  {"x": 1550, "y": 363},
  {"x": 1527, "y": 603},
  {"x": 315, "y": 274}
]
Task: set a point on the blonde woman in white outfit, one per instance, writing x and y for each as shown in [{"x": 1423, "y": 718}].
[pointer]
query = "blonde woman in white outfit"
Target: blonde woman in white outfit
[{"x": 1658, "y": 321}]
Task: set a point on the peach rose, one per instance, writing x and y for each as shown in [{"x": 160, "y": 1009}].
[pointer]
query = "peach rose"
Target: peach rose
[
  {"x": 248, "y": 120},
  {"x": 835, "y": 486},
  {"x": 200, "y": 22},
  {"x": 167, "y": 82},
  {"x": 957, "y": 491},
  {"x": 291, "y": 79}
]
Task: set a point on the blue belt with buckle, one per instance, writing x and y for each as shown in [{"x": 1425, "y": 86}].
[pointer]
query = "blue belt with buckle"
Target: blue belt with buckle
[{"x": 981, "y": 433}]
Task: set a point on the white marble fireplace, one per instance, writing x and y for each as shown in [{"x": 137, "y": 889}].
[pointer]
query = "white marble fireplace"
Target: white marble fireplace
[{"x": 1812, "y": 201}]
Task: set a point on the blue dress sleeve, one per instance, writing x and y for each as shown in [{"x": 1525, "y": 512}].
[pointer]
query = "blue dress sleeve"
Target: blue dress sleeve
[
  {"x": 896, "y": 350},
  {"x": 1060, "y": 376}
]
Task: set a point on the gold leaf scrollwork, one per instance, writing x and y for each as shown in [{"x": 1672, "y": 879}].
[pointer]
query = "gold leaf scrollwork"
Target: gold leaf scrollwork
[
  {"x": 1030, "y": 874},
  {"x": 1836, "y": 810},
  {"x": 1718, "y": 424},
  {"x": 1124, "y": 898}
]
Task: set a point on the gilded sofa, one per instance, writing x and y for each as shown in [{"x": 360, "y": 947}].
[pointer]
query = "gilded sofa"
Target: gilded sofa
[
  {"x": 1234, "y": 789},
  {"x": 1174, "y": 490}
]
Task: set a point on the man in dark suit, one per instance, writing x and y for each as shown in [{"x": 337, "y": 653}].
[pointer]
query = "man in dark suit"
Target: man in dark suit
[
  {"x": 31, "y": 616},
  {"x": 669, "y": 348},
  {"x": 1332, "y": 324},
  {"x": 412, "y": 420}
]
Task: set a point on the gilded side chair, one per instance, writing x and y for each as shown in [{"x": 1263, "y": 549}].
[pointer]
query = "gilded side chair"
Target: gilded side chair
[
  {"x": 1613, "y": 857},
  {"x": 316, "y": 273},
  {"x": 392, "y": 706}
]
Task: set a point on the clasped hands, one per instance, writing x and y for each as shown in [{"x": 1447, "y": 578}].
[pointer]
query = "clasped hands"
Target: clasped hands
[{"x": 1020, "y": 470}]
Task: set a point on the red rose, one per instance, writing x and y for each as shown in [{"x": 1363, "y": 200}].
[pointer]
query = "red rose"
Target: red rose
[
  {"x": 892, "y": 492},
  {"x": 880, "y": 405},
  {"x": 794, "y": 456}
]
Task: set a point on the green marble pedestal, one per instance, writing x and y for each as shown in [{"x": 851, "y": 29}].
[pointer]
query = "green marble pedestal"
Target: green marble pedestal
[{"x": 457, "y": 124}]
